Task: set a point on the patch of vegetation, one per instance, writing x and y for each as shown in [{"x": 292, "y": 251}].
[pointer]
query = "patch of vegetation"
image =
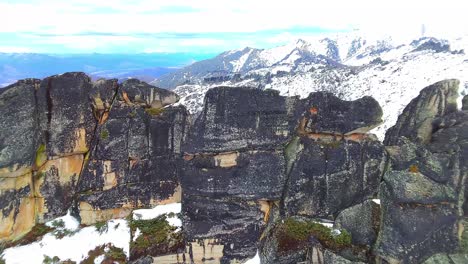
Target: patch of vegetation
[
  {"x": 104, "y": 134},
  {"x": 61, "y": 233},
  {"x": 101, "y": 227},
  {"x": 154, "y": 111},
  {"x": 293, "y": 234},
  {"x": 2, "y": 248},
  {"x": 414, "y": 168},
  {"x": 157, "y": 237},
  {"x": 49, "y": 260},
  {"x": 111, "y": 255},
  {"x": 58, "y": 224},
  {"x": 41, "y": 155},
  {"x": 36, "y": 233}
]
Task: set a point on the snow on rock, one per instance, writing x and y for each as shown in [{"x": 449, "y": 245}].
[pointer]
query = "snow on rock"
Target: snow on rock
[
  {"x": 74, "y": 247},
  {"x": 254, "y": 260},
  {"x": 147, "y": 214},
  {"x": 377, "y": 201},
  {"x": 70, "y": 222}
]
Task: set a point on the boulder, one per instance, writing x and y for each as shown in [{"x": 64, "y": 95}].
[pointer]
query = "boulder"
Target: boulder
[
  {"x": 417, "y": 214},
  {"x": 465, "y": 103},
  {"x": 324, "y": 113},
  {"x": 328, "y": 177},
  {"x": 134, "y": 91},
  {"x": 416, "y": 121},
  {"x": 242, "y": 118},
  {"x": 362, "y": 221}
]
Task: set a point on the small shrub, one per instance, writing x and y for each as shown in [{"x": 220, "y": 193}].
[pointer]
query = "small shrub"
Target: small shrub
[
  {"x": 2, "y": 248},
  {"x": 61, "y": 233},
  {"x": 154, "y": 111},
  {"x": 41, "y": 155},
  {"x": 111, "y": 255},
  {"x": 49, "y": 260},
  {"x": 101, "y": 227},
  {"x": 294, "y": 235},
  {"x": 35, "y": 234},
  {"x": 58, "y": 224},
  {"x": 414, "y": 168},
  {"x": 104, "y": 134}
]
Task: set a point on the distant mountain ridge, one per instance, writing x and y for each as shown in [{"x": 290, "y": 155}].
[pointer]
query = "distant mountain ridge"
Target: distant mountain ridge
[
  {"x": 145, "y": 66},
  {"x": 349, "y": 65}
]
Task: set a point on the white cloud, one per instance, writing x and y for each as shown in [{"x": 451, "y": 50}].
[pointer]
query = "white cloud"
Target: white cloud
[{"x": 126, "y": 17}]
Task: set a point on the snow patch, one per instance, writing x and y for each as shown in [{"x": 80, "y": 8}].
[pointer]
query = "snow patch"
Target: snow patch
[
  {"x": 147, "y": 214},
  {"x": 74, "y": 247},
  {"x": 254, "y": 260}
]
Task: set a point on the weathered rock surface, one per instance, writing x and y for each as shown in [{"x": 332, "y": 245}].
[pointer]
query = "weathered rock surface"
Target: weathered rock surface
[
  {"x": 66, "y": 134},
  {"x": 325, "y": 113},
  {"x": 362, "y": 221},
  {"x": 250, "y": 151},
  {"x": 423, "y": 192},
  {"x": 255, "y": 172},
  {"x": 465, "y": 103},
  {"x": 329, "y": 177},
  {"x": 242, "y": 118},
  {"x": 415, "y": 122}
]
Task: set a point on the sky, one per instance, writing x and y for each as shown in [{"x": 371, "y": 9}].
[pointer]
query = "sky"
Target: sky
[{"x": 209, "y": 26}]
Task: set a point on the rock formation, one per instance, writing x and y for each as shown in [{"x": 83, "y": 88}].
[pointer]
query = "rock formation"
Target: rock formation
[
  {"x": 101, "y": 148},
  {"x": 292, "y": 179}
]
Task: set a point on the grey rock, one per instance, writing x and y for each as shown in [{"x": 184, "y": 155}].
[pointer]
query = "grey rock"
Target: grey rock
[
  {"x": 19, "y": 124},
  {"x": 66, "y": 117},
  {"x": 329, "y": 177},
  {"x": 332, "y": 258},
  {"x": 139, "y": 92},
  {"x": 326, "y": 113},
  {"x": 465, "y": 103},
  {"x": 241, "y": 118},
  {"x": 362, "y": 221},
  {"x": 416, "y": 121},
  {"x": 417, "y": 215}
]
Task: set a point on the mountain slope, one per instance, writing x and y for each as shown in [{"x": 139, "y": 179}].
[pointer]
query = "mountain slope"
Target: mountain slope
[{"x": 348, "y": 66}]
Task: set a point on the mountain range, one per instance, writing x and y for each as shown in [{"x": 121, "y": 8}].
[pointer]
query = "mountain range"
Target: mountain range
[{"x": 348, "y": 65}]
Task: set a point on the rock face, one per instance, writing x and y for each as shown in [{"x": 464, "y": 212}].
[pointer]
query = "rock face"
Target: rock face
[
  {"x": 423, "y": 192},
  {"x": 415, "y": 122},
  {"x": 68, "y": 142},
  {"x": 362, "y": 221},
  {"x": 294, "y": 180},
  {"x": 253, "y": 153}
]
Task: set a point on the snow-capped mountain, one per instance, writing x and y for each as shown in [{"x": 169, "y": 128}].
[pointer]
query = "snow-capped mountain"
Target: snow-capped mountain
[{"x": 350, "y": 66}]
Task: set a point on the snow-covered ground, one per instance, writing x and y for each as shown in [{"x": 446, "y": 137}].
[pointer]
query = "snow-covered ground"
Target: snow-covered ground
[{"x": 76, "y": 246}]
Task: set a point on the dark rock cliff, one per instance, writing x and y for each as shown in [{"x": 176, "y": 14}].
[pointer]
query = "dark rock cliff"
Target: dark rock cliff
[{"x": 296, "y": 180}]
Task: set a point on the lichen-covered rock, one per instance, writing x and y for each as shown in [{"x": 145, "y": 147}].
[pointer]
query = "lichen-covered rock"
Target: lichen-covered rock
[
  {"x": 417, "y": 214},
  {"x": 66, "y": 134},
  {"x": 362, "y": 221},
  {"x": 18, "y": 128},
  {"x": 18, "y": 145},
  {"x": 134, "y": 162},
  {"x": 325, "y": 113},
  {"x": 328, "y": 177},
  {"x": 416, "y": 121},
  {"x": 65, "y": 116},
  {"x": 242, "y": 118}
]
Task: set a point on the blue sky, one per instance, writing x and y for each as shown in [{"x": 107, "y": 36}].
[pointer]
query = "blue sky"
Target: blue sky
[{"x": 205, "y": 26}]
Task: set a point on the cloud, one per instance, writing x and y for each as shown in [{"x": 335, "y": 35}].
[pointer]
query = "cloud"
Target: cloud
[{"x": 138, "y": 26}]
